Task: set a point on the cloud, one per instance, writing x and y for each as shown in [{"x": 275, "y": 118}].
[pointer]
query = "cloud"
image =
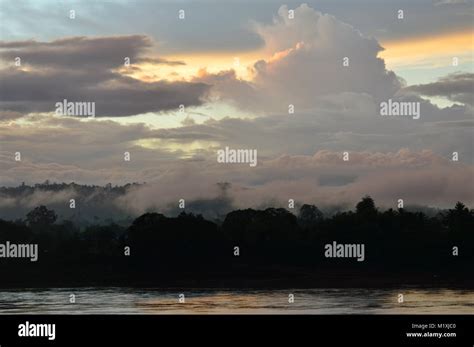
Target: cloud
[
  {"x": 228, "y": 87},
  {"x": 159, "y": 61},
  {"x": 10, "y": 115},
  {"x": 70, "y": 149},
  {"x": 458, "y": 87},
  {"x": 417, "y": 177},
  {"x": 343, "y": 122},
  {"x": 299, "y": 155},
  {"x": 77, "y": 52},
  {"x": 449, "y": 2},
  {"x": 91, "y": 152},
  {"x": 86, "y": 70},
  {"x": 307, "y": 55},
  {"x": 336, "y": 107}
]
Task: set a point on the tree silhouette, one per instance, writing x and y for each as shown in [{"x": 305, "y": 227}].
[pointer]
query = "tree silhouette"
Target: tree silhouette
[
  {"x": 189, "y": 250},
  {"x": 459, "y": 219},
  {"x": 253, "y": 226},
  {"x": 14, "y": 232},
  {"x": 366, "y": 207},
  {"x": 41, "y": 217},
  {"x": 309, "y": 216}
]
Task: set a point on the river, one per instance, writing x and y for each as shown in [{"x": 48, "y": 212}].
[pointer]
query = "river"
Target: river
[{"x": 227, "y": 301}]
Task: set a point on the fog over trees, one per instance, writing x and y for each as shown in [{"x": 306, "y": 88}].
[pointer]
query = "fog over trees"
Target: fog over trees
[{"x": 248, "y": 247}]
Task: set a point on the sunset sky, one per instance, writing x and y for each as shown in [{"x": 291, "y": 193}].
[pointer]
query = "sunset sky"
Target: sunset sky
[{"x": 236, "y": 66}]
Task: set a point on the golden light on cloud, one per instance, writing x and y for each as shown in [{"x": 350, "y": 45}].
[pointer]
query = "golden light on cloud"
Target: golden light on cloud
[
  {"x": 180, "y": 149},
  {"x": 212, "y": 62},
  {"x": 431, "y": 51}
]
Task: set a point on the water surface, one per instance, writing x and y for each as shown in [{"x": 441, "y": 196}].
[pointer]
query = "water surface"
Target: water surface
[{"x": 228, "y": 301}]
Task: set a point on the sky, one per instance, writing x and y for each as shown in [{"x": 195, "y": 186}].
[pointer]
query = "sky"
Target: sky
[{"x": 225, "y": 76}]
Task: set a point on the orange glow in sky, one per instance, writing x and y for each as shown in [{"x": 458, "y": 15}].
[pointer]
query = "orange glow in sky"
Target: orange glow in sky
[{"x": 439, "y": 49}]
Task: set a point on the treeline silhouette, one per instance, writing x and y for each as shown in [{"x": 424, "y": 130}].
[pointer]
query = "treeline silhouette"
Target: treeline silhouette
[{"x": 251, "y": 248}]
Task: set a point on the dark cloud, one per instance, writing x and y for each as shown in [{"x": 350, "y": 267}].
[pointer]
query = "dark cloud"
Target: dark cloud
[
  {"x": 457, "y": 87},
  {"x": 85, "y": 69},
  {"x": 77, "y": 52},
  {"x": 18, "y": 44},
  {"x": 158, "y": 61}
]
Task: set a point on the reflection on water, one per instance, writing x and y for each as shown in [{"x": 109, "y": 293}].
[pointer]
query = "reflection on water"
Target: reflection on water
[{"x": 307, "y": 301}]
